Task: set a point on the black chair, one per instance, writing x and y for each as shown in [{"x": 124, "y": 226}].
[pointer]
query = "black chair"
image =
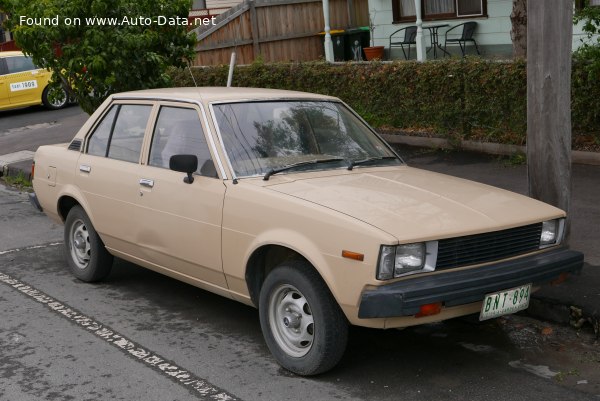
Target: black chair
[
  {"x": 468, "y": 28},
  {"x": 410, "y": 38}
]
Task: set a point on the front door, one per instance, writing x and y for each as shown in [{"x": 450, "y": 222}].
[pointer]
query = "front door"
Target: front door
[{"x": 179, "y": 227}]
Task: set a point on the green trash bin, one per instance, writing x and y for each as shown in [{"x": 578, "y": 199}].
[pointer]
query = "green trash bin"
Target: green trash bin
[
  {"x": 356, "y": 40},
  {"x": 338, "y": 38}
]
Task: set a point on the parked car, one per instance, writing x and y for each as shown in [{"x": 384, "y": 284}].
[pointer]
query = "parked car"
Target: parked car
[
  {"x": 23, "y": 84},
  {"x": 290, "y": 202}
]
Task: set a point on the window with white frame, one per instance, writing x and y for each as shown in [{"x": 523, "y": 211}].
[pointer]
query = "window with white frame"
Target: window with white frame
[{"x": 405, "y": 10}]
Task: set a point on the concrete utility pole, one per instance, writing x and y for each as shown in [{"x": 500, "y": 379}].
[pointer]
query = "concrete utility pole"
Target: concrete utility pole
[
  {"x": 549, "y": 47},
  {"x": 327, "y": 42}
]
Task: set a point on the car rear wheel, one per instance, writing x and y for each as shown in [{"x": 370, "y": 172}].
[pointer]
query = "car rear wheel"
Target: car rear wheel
[
  {"x": 86, "y": 255},
  {"x": 303, "y": 326},
  {"x": 55, "y": 98}
]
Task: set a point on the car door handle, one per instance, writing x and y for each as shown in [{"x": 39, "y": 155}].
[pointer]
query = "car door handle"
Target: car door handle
[
  {"x": 146, "y": 182},
  {"x": 85, "y": 169}
]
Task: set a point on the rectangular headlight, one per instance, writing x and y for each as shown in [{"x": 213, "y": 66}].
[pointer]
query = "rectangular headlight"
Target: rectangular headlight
[
  {"x": 409, "y": 257},
  {"x": 552, "y": 232},
  {"x": 399, "y": 260}
]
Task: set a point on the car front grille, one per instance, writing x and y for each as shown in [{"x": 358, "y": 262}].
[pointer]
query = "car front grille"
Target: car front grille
[{"x": 486, "y": 247}]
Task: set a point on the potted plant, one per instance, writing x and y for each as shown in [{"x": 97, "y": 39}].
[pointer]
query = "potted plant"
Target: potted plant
[{"x": 373, "y": 52}]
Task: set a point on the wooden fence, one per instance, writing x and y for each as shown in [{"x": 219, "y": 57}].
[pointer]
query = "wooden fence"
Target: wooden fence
[{"x": 276, "y": 30}]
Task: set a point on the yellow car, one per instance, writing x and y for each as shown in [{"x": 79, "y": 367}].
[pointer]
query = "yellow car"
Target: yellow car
[{"x": 23, "y": 84}]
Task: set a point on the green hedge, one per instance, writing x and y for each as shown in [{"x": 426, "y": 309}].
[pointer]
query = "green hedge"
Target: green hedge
[{"x": 458, "y": 99}]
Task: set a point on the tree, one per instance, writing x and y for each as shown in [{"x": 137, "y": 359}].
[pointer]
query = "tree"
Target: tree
[
  {"x": 589, "y": 51},
  {"x": 518, "y": 33},
  {"x": 98, "y": 47}
]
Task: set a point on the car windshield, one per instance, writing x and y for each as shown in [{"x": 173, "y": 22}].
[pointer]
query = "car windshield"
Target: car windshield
[{"x": 266, "y": 137}]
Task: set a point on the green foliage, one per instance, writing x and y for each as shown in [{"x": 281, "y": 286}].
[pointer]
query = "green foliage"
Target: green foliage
[
  {"x": 586, "y": 74},
  {"x": 93, "y": 61},
  {"x": 457, "y": 98},
  {"x": 19, "y": 181},
  {"x": 588, "y": 54}
]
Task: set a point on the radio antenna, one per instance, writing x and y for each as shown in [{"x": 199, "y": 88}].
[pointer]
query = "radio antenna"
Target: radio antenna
[{"x": 192, "y": 75}]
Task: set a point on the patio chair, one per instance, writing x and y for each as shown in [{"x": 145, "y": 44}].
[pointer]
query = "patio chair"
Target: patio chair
[
  {"x": 410, "y": 38},
  {"x": 468, "y": 28}
]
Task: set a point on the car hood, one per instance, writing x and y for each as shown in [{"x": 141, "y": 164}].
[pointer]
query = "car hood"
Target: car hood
[{"x": 414, "y": 205}]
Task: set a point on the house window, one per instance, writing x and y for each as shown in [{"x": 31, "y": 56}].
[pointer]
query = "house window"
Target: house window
[{"x": 404, "y": 10}]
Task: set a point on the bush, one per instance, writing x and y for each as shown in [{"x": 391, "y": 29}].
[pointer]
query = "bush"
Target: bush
[{"x": 458, "y": 99}]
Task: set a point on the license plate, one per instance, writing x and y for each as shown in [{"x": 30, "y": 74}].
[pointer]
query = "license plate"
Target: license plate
[
  {"x": 21, "y": 86},
  {"x": 505, "y": 302}
]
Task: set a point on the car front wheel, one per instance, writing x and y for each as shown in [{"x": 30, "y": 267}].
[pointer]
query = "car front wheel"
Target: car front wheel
[
  {"x": 303, "y": 326},
  {"x": 86, "y": 255}
]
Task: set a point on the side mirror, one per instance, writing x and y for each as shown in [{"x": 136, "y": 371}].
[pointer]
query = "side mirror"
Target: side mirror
[{"x": 184, "y": 164}]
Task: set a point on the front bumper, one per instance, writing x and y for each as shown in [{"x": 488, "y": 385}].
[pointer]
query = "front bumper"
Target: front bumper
[{"x": 459, "y": 287}]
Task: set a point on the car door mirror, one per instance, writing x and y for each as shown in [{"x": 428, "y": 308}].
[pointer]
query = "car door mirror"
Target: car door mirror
[{"x": 185, "y": 164}]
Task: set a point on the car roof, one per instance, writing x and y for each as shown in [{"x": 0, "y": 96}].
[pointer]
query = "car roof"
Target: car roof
[
  {"x": 215, "y": 94},
  {"x": 11, "y": 53}
]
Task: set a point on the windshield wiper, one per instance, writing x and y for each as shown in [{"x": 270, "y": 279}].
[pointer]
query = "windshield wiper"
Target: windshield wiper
[
  {"x": 300, "y": 164},
  {"x": 354, "y": 163}
]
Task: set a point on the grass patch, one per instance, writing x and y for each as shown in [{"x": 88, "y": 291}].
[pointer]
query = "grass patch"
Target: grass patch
[{"x": 20, "y": 181}]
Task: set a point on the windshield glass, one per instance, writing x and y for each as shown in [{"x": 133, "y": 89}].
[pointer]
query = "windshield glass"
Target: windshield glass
[{"x": 263, "y": 136}]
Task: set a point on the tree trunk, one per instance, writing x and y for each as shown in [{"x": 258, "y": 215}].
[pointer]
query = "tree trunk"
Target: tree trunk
[
  {"x": 518, "y": 33},
  {"x": 550, "y": 33}
]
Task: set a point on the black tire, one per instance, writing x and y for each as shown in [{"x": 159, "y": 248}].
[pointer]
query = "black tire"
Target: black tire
[
  {"x": 292, "y": 299},
  {"x": 58, "y": 102},
  {"x": 86, "y": 255}
]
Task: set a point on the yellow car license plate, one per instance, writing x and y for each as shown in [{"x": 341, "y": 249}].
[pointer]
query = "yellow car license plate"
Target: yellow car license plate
[{"x": 505, "y": 302}]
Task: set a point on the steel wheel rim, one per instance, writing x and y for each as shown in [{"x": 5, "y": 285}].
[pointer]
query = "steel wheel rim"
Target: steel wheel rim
[
  {"x": 59, "y": 100},
  {"x": 79, "y": 244},
  {"x": 291, "y": 320}
]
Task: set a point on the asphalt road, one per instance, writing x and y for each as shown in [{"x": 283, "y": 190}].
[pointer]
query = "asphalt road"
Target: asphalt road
[
  {"x": 26, "y": 129},
  {"x": 142, "y": 336}
]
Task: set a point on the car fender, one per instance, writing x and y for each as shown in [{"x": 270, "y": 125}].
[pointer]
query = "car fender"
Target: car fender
[{"x": 299, "y": 243}]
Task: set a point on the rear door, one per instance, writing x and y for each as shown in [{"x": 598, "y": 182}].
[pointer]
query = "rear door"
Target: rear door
[{"x": 109, "y": 172}]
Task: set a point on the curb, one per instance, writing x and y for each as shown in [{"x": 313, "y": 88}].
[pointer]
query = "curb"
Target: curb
[
  {"x": 577, "y": 156},
  {"x": 13, "y": 169}
]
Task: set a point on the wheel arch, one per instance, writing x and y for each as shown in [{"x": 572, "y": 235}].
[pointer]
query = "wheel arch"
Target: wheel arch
[
  {"x": 65, "y": 204},
  {"x": 69, "y": 197},
  {"x": 267, "y": 257}
]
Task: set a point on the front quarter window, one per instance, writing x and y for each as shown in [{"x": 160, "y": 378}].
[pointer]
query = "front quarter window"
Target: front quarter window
[{"x": 264, "y": 136}]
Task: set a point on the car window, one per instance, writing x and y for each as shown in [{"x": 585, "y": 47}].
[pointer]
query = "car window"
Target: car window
[
  {"x": 3, "y": 68},
  {"x": 19, "y": 64},
  {"x": 179, "y": 131},
  {"x": 128, "y": 132},
  {"x": 121, "y": 139},
  {"x": 98, "y": 143}
]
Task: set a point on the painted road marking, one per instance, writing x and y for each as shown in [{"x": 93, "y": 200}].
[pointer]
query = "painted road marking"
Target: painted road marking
[
  {"x": 30, "y": 247},
  {"x": 196, "y": 385}
]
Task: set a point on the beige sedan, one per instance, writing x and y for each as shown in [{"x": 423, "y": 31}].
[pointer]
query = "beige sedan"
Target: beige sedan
[{"x": 290, "y": 202}]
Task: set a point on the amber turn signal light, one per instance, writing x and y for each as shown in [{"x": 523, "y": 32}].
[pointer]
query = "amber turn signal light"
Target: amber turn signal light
[{"x": 353, "y": 255}]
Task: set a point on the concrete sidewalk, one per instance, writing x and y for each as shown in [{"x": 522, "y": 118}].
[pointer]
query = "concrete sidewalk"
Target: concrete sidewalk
[{"x": 576, "y": 301}]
